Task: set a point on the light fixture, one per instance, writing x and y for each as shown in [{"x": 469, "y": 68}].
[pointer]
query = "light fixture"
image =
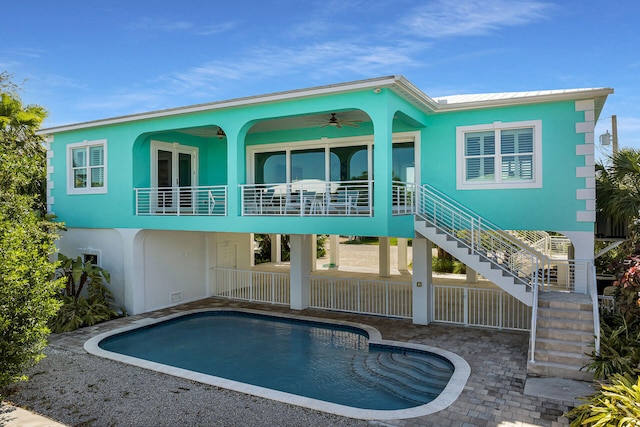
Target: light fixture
[{"x": 220, "y": 134}]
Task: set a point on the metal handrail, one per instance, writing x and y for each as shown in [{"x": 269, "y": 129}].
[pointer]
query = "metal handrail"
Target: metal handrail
[
  {"x": 308, "y": 198},
  {"x": 593, "y": 290},
  {"x": 481, "y": 236},
  {"x": 178, "y": 201}
]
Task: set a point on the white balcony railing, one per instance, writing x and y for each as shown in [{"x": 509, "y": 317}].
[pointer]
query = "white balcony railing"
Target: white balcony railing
[
  {"x": 403, "y": 198},
  {"x": 201, "y": 201},
  {"x": 308, "y": 198}
]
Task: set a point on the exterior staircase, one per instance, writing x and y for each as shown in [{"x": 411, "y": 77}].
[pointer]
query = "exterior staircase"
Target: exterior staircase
[
  {"x": 488, "y": 268},
  {"x": 564, "y": 327},
  {"x": 564, "y": 335}
]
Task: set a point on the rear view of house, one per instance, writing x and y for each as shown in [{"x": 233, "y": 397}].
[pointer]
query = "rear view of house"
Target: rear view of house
[{"x": 169, "y": 201}]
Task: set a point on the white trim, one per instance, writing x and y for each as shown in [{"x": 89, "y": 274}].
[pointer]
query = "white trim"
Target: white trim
[
  {"x": 585, "y": 127},
  {"x": 586, "y": 216},
  {"x": 536, "y": 182},
  {"x": 397, "y": 84},
  {"x": 585, "y": 150},
  {"x": 585, "y": 171},
  {"x": 585, "y": 104},
  {"x": 71, "y": 189}
]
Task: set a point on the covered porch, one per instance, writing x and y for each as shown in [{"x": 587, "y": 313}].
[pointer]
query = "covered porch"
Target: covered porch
[{"x": 357, "y": 285}]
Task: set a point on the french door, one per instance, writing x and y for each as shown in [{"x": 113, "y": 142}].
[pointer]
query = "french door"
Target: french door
[{"x": 174, "y": 173}]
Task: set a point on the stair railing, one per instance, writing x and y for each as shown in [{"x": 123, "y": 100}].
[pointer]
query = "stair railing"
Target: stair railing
[{"x": 481, "y": 236}]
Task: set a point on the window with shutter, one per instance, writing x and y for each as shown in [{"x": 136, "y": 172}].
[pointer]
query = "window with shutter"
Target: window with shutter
[
  {"x": 87, "y": 167},
  {"x": 500, "y": 155}
]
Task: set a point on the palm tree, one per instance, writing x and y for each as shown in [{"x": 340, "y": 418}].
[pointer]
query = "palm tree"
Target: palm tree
[{"x": 618, "y": 187}]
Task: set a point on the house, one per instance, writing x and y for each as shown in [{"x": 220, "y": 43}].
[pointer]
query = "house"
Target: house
[{"x": 168, "y": 201}]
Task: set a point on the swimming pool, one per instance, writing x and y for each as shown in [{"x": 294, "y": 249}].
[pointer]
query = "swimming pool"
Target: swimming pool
[{"x": 338, "y": 367}]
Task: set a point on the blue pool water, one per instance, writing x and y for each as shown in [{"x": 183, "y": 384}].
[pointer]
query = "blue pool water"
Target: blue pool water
[{"x": 325, "y": 362}]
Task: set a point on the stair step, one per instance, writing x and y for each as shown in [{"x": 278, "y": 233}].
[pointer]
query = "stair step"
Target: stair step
[
  {"x": 565, "y": 335},
  {"x": 563, "y": 345},
  {"x": 549, "y": 369},
  {"x": 560, "y": 301},
  {"x": 565, "y": 324},
  {"x": 577, "y": 360},
  {"x": 557, "y": 313}
]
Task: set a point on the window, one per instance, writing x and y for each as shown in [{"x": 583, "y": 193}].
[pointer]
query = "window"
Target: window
[
  {"x": 501, "y": 155},
  {"x": 87, "y": 167}
]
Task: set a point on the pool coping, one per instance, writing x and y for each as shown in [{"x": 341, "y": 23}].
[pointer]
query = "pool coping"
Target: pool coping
[{"x": 454, "y": 387}]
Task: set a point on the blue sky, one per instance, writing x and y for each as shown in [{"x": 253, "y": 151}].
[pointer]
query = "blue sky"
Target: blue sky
[{"x": 86, "y": 60}]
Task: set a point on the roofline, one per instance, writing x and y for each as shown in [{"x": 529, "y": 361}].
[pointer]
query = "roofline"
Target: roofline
[
  {"x": 567, "y": 95},
  {"x": 397, "y": 83},
  {"x": 236, "y": 102}
]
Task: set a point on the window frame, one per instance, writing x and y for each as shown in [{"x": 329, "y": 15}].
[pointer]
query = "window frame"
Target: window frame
[
  {"x": 71, "y": 188},
  {"x": 498, "y": 183}
]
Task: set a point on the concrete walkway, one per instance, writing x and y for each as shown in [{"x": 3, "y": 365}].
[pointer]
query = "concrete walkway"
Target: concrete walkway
[{"x": 11, "y": 416}]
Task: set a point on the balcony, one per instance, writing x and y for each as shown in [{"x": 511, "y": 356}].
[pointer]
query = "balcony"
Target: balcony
[
  {"x": 303, "y": 198},
  {"x": 308, "y": 198},
  {"x": 177, "y": 201}
]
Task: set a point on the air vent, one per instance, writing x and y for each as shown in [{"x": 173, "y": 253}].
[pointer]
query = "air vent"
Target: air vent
[{"x": 175, "y": 297}]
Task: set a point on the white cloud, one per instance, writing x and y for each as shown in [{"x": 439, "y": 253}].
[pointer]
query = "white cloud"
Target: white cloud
[{"x": 473, "y": 17}]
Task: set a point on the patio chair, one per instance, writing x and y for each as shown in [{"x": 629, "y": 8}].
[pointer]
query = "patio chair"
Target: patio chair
[{"x": 345, "y": 202}]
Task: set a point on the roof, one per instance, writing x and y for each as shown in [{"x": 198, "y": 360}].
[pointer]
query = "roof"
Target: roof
[{"x": 398, "y": 84}]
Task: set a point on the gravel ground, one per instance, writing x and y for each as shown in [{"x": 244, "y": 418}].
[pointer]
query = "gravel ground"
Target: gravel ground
[{"x": 83, "y": 390}]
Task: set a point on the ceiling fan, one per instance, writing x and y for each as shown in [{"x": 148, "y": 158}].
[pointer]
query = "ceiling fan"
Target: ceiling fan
[{"x": 339, "y": 123}]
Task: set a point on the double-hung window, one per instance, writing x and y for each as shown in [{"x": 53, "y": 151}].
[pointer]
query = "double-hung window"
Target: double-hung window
[
  {"x": 87, "y": 167},
  {"x": 500, "y": 155}
]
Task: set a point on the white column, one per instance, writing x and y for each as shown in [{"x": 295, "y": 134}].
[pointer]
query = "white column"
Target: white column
[
  {"x": 133, "y": 262},
  {"x": 334, "y": 250},
  {"x": 300, "y": 269},
  {"x": 314, "y": 252},
  {"x": 402, "y": 254},
  {"x": 252, "y": 258},
  {"x": 384, "y": 257},
  {"x": 276, "y": 248},
  {"x": 583, "y": 250},
  {"x": 472, "y": 275},
  {"x": 422, "y": 280}
]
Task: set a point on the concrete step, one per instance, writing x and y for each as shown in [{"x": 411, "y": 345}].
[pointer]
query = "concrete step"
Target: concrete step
[
  {"x": 564, "y": 301},
  {"x": 565, "y": 324},
  {"x": 576, "y": 360},
  {"x": 565, "y": 335},
  {"x": 557, "y": 313},
  {"x": 548, "y": 369},
  {"x": 563, "y": 345}
]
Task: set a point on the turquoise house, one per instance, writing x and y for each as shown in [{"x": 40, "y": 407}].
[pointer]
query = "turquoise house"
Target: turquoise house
[{"x": 169, "y": 200}]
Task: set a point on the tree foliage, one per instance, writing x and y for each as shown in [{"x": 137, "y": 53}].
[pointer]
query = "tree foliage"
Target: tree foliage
[
  {"x": 618, "y": 186},
  {"x": 27, "y": 293},
  {"x": 86, "y": 299}
]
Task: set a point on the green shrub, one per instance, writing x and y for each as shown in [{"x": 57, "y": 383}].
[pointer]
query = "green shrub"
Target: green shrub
[
  {"x": 619, "y": 347},
  {"x": 446, "y": 265},
  {"x": 85, "y": 300},
  {"x": 616, "y": 403}
]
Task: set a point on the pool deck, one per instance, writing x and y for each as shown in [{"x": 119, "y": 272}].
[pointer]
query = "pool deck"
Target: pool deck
[{"x": 494, "y": 395}]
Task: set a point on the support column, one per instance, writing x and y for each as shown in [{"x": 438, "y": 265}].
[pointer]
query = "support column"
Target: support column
[
  {"x": 276, "y": 248},
  {"x": 384, "y": 257},
  {"x": 300, "y": 270},
  {"x": 472, "y": 275},
  {"x": 252, "y": 258},
  {"x": 582, "y": 243},
  {"x": 334, "y": 251},
  {"x": 133, "y": 262},
  {"x": 314, "y": 252},
  {"x": 422, "y": 280},
  {"x": 402, "y": 254}
]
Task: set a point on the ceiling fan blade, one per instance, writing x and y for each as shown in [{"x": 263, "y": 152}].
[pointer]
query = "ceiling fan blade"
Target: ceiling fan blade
[
  {"x": 350, "y": 124},
  {"x": 339, "y": 125}
]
